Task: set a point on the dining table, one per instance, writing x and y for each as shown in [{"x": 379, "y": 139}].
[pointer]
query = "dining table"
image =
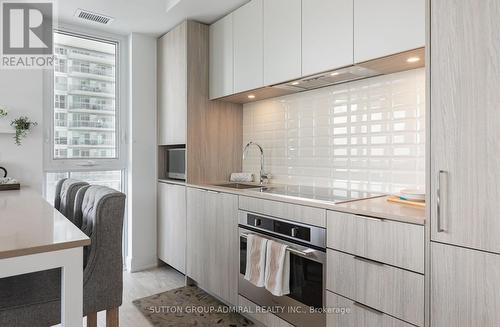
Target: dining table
[{"x": 34, "y": 236}]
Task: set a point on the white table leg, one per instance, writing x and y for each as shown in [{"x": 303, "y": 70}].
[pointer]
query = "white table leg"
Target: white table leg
[{"x": 72, "y": 289}]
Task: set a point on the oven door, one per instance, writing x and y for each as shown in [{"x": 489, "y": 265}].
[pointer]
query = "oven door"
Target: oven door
[{"x": 307, "y": 285}]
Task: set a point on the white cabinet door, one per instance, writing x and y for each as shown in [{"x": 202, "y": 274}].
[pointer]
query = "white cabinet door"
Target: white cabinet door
[
  {"x": 385, "y": 27},
  {"x": 213, "y": 245},
  {"x": 198, "y": 250},
  {"x": 172, "y": 225},
  {"x": 465, "y": 287},
  {"x": 327, "y": 35},
  {"x": 282, "y": 40},
  {"x": 172, "y": 84},
  {"x": 221, "y": 57},
  {"x": 247, "y": 46},
  {"x": 465, "y": 129}
]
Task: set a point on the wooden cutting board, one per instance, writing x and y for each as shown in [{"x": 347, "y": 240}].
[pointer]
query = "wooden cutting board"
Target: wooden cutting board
[{"x": 396, "y": 199}]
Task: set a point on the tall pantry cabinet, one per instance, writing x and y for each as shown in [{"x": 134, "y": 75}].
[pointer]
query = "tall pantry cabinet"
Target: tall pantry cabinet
[{"x": 464, "y": 163}]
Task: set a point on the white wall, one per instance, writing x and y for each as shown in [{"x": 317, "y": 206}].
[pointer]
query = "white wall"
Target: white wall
[
  {"x": 361, "y": 136},
  {"x": 21, "y": 91},
  {"x": 142, "y": 153}
]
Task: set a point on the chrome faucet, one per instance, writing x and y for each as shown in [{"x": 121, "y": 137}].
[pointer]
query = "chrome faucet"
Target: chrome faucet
[{"x": 264, "y": 177}]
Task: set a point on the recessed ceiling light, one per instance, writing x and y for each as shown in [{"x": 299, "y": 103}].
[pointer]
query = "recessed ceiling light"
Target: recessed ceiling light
[
  {"x": 251, "y": 96},
  {"x": 295, "y": 83},
  {"x": 334, "y": 74},
  {"x": 413, "y": 59}
]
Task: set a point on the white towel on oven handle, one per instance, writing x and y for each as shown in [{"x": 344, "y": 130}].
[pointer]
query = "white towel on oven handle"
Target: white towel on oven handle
[
  {"x": 277, "y": 279},
  {"x": 256, "y": 259}
]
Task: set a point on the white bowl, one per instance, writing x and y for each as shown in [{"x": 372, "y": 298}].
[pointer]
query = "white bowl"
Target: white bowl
[{"x": 412, "y": 194}]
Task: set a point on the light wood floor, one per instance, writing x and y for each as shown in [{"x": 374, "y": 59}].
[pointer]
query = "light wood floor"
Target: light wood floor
[{"x": 138, "y": 285}]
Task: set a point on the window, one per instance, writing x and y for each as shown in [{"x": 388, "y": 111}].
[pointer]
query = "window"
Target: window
[{"x": 85, "y": 103}]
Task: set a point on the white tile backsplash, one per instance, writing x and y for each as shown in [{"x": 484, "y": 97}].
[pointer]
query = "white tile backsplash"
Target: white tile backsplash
[{"x": 366, "y": 135}]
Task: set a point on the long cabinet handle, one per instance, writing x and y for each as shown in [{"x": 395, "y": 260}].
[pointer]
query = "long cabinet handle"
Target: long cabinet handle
[
  {"x": 442, "y": 200},
  {"x": 378, "y": 263},
  {"x": 364, "y": 306}
]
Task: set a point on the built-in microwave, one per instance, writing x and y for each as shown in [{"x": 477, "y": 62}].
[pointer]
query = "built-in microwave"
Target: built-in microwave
[{"x": 176, "y": 163}]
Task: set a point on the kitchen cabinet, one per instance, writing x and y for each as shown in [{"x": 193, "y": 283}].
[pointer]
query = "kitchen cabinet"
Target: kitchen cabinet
[
  {"x": 282, "y": 40},
  {"x": 327, "y": 35},
  {"x": 213, "y": 247},
  {"x": 465, "y": 287},
  {"x": 396, "y": 243},
  {"x": 172, "y": 90},
  {"x": 465, "y": 133},
  {"x": 248, "y": 46},
  {"x": 172, "y": 225},
  {"x": 221, "y": 57},
  {"x": 464, "y": 163},
  {"x": 359, "y": 315},
  {"x": 385, "y": 27},
  {"x": 397, "y": 292}
]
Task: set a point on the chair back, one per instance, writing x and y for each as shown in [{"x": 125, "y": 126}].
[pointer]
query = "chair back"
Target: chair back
[{"x": 64, "y": 201}]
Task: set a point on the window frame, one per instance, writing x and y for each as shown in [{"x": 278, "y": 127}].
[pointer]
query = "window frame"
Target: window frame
[{"x": 52, "y": 164}]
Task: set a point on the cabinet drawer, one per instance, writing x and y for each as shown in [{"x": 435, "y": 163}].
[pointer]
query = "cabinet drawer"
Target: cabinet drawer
[
  {"x": 294, "y": 212},
  {"x": 395, "y": 291},
  {"x": 395, "y": 243},
  {"x": 357, "y": 315}
]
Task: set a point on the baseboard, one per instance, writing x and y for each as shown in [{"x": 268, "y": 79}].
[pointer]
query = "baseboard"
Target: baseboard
[{"x": 135, "y": 265}]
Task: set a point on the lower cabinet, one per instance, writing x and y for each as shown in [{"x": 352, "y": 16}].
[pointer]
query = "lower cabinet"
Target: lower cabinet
[
  {"x": 346, "y": 313},
  {"x": 172, "y": 225},
  {"x": 465, "y": 287},
  {"x": 212, "y": 242}
]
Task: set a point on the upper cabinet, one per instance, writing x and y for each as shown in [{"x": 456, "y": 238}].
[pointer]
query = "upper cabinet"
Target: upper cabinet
[
  {"x": 327, "y": 35},
  {"x": 282, "y": 40},
  {"x": 172, "y": 86},
  {"x": 385, "y": 27},
  {"x": 276, "y": 41},
  {"x": 221, "y": 57},
  {"x": 248, "y": 46}
]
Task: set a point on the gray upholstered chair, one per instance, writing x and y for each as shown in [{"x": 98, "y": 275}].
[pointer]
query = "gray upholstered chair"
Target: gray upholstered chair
[
  {"x": 64, "y": 201},
  {"x": 34, "y": 299}
]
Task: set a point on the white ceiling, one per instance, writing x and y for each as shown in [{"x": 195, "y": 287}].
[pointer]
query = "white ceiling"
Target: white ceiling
[{"x": 145, "y": 16}]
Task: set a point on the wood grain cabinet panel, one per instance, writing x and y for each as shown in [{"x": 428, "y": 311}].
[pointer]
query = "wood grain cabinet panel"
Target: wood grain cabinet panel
[
  {"x": 465, "y": 129},
  {"x": 395, "y": 291},
  {"x": 390, "y": 242},
  {"x": 172, "y": 225},
  {"x": 213, "y": 245},
  {"x": 172, "y": 86},
  {"x": 294, "y": 212},
  {"x": 357, "y": 314},
  {"x": 465, "y": 287}
]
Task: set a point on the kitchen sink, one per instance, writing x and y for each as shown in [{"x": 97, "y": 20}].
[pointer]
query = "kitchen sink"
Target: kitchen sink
[{"x": 240, "y": 186}]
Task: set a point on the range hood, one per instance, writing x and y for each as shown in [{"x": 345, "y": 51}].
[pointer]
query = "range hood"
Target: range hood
[{"x": 382, "y": 66}]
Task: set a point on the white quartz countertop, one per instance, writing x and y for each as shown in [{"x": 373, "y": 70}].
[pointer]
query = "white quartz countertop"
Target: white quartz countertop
[
  {"x": 29, "y": 224},
  {"x": 373, "y": 207}
]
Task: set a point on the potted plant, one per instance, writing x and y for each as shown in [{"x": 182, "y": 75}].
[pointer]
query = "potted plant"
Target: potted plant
[
  {"x": 23, "y": 126},
  {"x": 3, "y": 111}
]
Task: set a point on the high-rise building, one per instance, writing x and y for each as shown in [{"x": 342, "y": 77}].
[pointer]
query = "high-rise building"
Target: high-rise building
[{"x": 84, "y": 99}]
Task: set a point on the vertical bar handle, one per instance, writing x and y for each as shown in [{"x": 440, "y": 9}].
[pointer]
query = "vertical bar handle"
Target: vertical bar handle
[{"x": 442, "y": 200}]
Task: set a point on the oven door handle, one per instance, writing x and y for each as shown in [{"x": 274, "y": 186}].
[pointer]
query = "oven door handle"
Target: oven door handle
[{"x": 304, "y": 253}]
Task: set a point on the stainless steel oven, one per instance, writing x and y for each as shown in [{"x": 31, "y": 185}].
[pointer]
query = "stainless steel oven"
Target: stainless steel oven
[{"x": 307, "y": 246}]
